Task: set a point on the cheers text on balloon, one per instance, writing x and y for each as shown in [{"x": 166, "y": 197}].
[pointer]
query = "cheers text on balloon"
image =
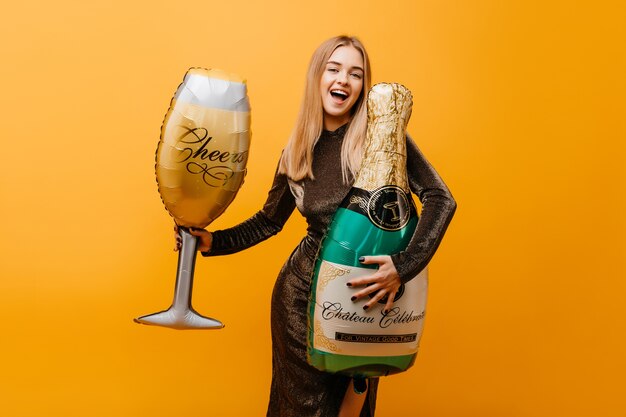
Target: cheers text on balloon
[
  {"x": 214, "y": 176},
  {"x": 200, "y": 135}
]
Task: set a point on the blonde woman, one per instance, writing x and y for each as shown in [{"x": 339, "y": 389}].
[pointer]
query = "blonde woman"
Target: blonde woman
[{"x": 314, "y": 174}]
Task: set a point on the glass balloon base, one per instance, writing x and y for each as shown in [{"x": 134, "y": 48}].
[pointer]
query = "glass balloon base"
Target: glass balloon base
[
  {"x": 180, "y": 319},
  {"x": 181, "y": 314}
]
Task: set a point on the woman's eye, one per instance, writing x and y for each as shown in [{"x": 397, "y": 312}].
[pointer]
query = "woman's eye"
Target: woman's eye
[
  {"x": 332, "y": 70},
  {"x": 356, "y": 75}
]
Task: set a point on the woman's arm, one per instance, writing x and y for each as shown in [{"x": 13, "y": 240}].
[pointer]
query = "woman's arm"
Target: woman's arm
[
  {"x": 438, "y": 207},
  {"x": 265, "y": 223}
]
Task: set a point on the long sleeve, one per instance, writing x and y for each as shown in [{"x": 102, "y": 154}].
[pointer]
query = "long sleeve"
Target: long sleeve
[
  {"x": 438, "y": 207},
  {"x": 265, "y": 223}
]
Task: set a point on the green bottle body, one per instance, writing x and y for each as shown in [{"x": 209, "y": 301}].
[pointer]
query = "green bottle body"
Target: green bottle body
[{"x": 344, "y": 338}]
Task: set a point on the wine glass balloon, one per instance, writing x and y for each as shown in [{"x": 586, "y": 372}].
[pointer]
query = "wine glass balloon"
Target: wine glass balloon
[{"x": 200, "y": 165}]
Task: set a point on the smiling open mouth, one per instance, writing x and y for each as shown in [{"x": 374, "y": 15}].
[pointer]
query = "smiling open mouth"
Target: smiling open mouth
[{"x": 339, "y": 95}]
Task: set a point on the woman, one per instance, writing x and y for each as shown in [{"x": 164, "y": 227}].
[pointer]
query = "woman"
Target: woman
[{"x": 314, "y": 174}]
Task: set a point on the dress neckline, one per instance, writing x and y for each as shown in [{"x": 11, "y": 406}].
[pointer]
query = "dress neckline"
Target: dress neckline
[{"x": 339, "y": 132}]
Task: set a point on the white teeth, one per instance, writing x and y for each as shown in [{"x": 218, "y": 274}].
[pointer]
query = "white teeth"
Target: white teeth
[{"x": 342, "y": 93}]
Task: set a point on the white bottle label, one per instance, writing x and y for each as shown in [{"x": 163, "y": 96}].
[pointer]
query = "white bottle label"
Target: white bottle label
[{"x": 341, "y": 326}]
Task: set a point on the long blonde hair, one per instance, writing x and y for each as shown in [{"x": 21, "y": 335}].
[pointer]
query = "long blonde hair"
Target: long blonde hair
[{"x": 297, "y": 158}]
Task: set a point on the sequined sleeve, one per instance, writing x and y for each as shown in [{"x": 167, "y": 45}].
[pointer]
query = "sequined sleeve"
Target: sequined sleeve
[
  {"x": 438, "y": 207},
  {"x": 265, "y": 223}
]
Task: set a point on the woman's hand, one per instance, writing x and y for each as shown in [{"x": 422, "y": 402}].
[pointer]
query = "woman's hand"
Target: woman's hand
[
  {"x": 205, "y": 239},
  {"x": 384, "y": 282}
]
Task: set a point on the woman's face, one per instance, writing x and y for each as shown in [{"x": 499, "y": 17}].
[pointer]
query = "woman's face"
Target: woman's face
[{"x": 341, "y": 85}]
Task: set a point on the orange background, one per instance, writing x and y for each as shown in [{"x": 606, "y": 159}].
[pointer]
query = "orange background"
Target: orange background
[{"x": 519, "y": 105}]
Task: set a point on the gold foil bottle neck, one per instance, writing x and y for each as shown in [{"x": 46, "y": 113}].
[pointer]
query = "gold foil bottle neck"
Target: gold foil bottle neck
[{"x": 384, "y": 156}]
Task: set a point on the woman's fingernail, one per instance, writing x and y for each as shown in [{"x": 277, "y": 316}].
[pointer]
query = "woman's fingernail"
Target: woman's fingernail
[
  {"x": 348, "y": 284},
  {"x": 385, "y": 312},
  {"x": 362, "y": 258},
  {"x": 365, "y": 307},
  {"x": 353, "y": 298}
]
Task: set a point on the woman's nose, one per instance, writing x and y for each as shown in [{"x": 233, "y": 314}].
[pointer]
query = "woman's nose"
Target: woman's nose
[{"x": 342, "y": 77}]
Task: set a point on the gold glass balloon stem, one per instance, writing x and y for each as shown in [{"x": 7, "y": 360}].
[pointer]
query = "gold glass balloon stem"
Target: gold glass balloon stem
[{"x": 181, "y": 314}]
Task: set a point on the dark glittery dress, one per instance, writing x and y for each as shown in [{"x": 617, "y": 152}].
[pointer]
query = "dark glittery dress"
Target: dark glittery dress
[{"x": 299, "y": 390}]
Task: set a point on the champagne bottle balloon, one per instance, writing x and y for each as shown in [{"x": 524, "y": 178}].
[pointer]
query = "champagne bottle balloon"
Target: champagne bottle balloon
[
  {"x": 200, "y": 165},
  {"x": 377, "y": 217}
]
